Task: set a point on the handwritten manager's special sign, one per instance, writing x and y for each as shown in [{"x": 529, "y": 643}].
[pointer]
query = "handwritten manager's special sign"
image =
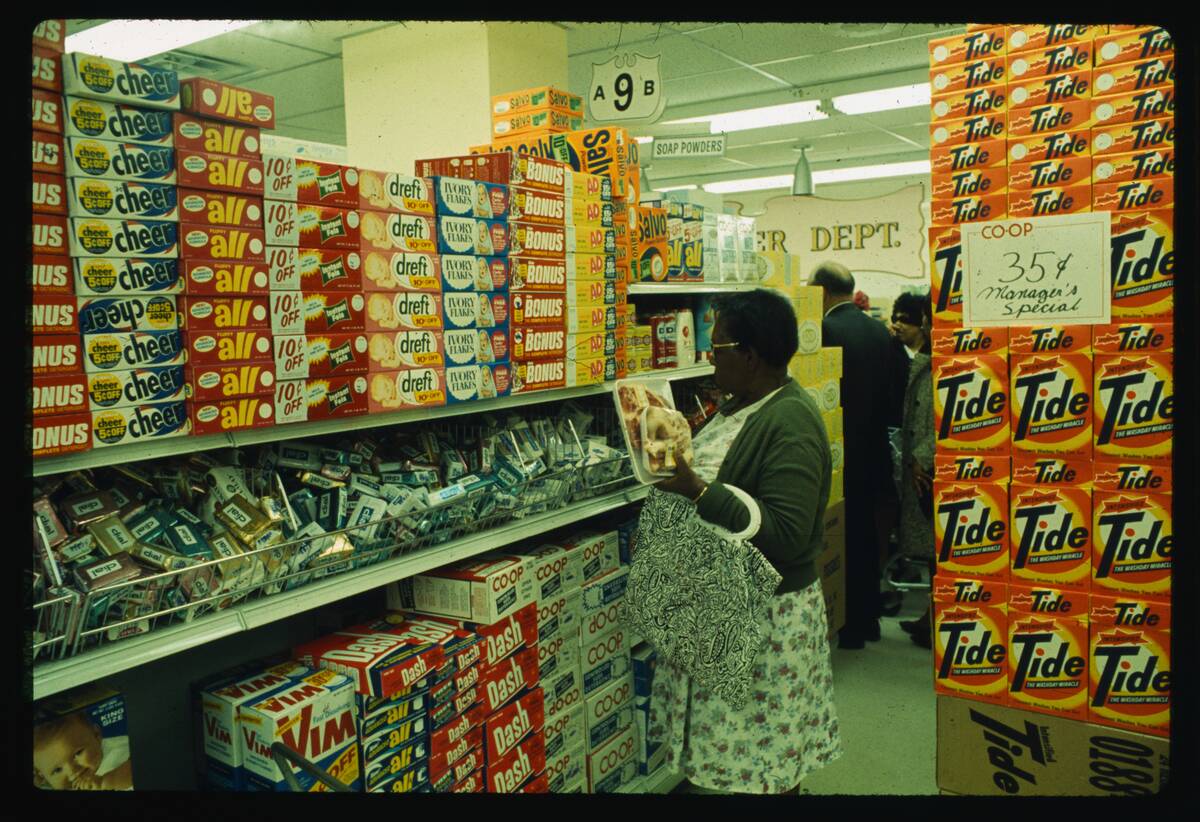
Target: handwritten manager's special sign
[{"x": 1044, "y": 270}]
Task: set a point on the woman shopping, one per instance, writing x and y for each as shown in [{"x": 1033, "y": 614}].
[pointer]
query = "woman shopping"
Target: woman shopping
[{"x": 761, "y": 471}]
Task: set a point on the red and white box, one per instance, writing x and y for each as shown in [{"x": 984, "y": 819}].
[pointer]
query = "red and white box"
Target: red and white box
[
  {"x": 219, "y": 242},
  {"x": 51, "y": 34},
  {"x": 51, "y": 275},
  {"x": 224, "y": 313},
  {"x": 504, "y": 637},
  {"x": 227, "y": 347},
  {"x": 47, "y": 69},
  {"x": 512, "y": 724},
  {"x": 53, "y": 314},
  {"x": 394, "y": 192},
  {"x": 539, "y": 309},
  {"x": 483, "y": 591},
  {"x": 218, "y": 172},
  {"x": 50, "y": 194},
  {"x": 47, "y": 111},
  {"x": 301, "y": 180},
  {"x": 311, "y": 225},
  {"x": 216, "y": 383},
  {"x": 61, "y": 434},
  {"x": 217, "y": 278},
  {"x": 194, "y": 133},
  {"x": 220, "y": 416},
  {"x": 314, "y": 269},
  {"x": 383, "y": 231},
  {"x": 320, "y": 398},
  {"x": 48, "y": 153},
  {"x": 56, "y": 354},
  {"x": 60, "y": 394},
  {"x": 305, "y": 356},
  {"x": 523, "y": 763},
  {"x": 316, "y": 312},
  {"x": 221, "y": 101},
  {"x": 48, "y": 234},
  {"x": 197, "y": 205},
  {"x": 403, "y": 311}
]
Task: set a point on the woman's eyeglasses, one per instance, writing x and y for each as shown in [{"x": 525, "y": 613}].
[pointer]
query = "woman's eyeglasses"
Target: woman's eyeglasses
[{"x": 716, "y": 346}]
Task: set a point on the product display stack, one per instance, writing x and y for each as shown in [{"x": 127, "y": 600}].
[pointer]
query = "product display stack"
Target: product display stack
[
  {"x": 1052, "y": 490},
  {"x": 535, "y": 113}
]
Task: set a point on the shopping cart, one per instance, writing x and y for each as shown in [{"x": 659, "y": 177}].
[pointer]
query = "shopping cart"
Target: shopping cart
[{"x": 285, "y": 757}]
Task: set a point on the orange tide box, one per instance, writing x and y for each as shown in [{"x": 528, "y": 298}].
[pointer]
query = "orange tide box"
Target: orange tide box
[
  {"x": 968, "y": 75},
  {"x": 960, "y": 48},
  {"x": 970, "y": 403},
  {"x": 1124, "y": 78},
  {"x": 1059, "y": 172},
  {"x": 1049, "y": 60},
  {"x": 971, "y": 529},
  {"x": 222, "y": 382},
  {"x": 1134, "y": 106},
  {"x": 1135, "y": 195},
  {"x": 1051, "y": 397},
  {"x": 224, "y": 102},
  {"x": 1132, "y": 475},
  {"x": 1134, "y": 404},
  {"x": 1048, "y": 118},
  {"x": 194, "y": 133},
  {"x": 1039, "y": 469},
  {"x": 1045, "y": 339},
  {"x": 1042, "y": 36},
  {"x": 220, "y": 208},
  {"x": 962, "y": 468},
  {"x": 234, "y": 414},
  {"x": 970, "y": 651},
  {"x": 309, "y": 181},
  {"x": 1143, "y": 265},
  {"x": 1129, "y": 685},
  {"x": 1048, "y": 650},
  {"x": 1050, "y": 536},
  {"x": 969, "y": 182},
  {"x": 1056, "y": 146},
  {"x": 973, "y": 209},
  {"x": 311, "y": 225},
  {"x": 321, "y": 398},
  {"x": 1124, "y": 138},
  {"x": 1124, "y": 338},
  {"x": 1128, "y": 46},
  {"x": 945, "y": 263},
  {"x": 219, "y": 172},
  {"x": 1038, "y": 91},
  {"x": 1047, "y": 202},
  {"x": 989, "y": 126},
  {"x": 219, "y": 242},
  {"x": 1139, "y": 165},
  {"x": 952, "y": 342},
  {"x": 222, "y": 277},
  {"x": 1132, "y": 542},
  {"x": 413, "y": 388}
]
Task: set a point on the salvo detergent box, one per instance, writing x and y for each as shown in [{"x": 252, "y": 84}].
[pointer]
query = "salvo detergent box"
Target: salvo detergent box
[
  {"x": 1143, "y": 264},
  {"x": 1134, "y": 406},
  {"x": 1130, "y": 678},
  {"x": 971, "y": 528},
  {"x": 1051, "y": 403},
  {"x": 970, "y": 404},
  {"x": 970, "y": 618},
  {"x": 1048, "y": 650},
  {"x": 1132, "y": 542},
  {"x": 1050, "y": 536},
  {"x": 315, "y": 717}
]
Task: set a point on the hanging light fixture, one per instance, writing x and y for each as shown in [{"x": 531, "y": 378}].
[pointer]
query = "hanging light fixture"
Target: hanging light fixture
[{"x": 802, "y": 180}]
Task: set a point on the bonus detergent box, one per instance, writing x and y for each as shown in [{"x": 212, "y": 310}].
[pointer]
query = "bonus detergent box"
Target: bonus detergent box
[
  {"x": 1050, "y": 536},
  {"x": 971, "y": 529},
  {"x": 970, "y": 638},
  {"x": 970, "y": 403},
  {"x": 1129, "y": 685},
  {"x": 1048, "y": 650}
]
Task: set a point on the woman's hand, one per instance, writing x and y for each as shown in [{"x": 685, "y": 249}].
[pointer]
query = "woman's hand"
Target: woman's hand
[
  {"x": 685, "y": 482},
  {"x": 920, "y": 480}
]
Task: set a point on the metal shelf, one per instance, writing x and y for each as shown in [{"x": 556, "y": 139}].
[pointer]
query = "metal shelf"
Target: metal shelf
[
  {"x": 53, "y": 677},
  {"x": 664, "y": 780},
  {"x": 119, "y": 455},
  {"x": 690, "y": 288}
]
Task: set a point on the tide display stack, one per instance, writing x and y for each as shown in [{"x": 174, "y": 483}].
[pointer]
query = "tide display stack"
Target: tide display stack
[
  {"x": 123, "y": 235},
  {"x": 564, "y": 317},
  {"x": 1052, "y": 489}
]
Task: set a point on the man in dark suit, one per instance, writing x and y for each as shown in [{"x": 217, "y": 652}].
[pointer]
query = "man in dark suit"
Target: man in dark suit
[{"x": 867, "y": 362}]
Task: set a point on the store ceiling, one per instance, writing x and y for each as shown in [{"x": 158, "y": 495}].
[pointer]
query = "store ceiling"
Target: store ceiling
[{"x": 707, "y": 68}]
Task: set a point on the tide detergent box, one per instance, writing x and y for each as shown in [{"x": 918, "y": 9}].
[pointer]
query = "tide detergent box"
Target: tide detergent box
[
  {"x": 1050, "y": 536},
  {"x": 970, "y": 651},
  {"x": 959, "y": 48},
  {"x": 1134, "y": 406},
  {"x": 1051, "y": 404},
  {"x": 1038, "y": 470},
  {"x": 1050, "y": 60},
  {"x": 971, "y": 528},
  {"x": 315, "y": 718},
  {"x": 1047, "y": 339},
  {"x": 1036, "y": 91},
  {"x": 1134, "y": 195},
  {"x": 970, "y": 403},
  {"x": 1143, "y": 265},
  {"x": 1132, "y": 542},
  {"x": 1130, "y": 674},
  {"x": 949, "y": 467},
  {"x": 1132, "y": 475},
  {"x": 1058, "y": 172},
  {"x": 1039, "y": 36},
  {"x": 1048, "y": 650},
  {"x": 1131, "y": 337},
  {"x": 1124, "y": 138},
  {"x": 957, "y": 342},
  {"x": 1138, "y": 43},
  {"x": 1135, "y": 166},
  {"x": 1054, "y": 146},
  {"x": 1134, "y": 76},
  {"x": 945, "y": 259}
]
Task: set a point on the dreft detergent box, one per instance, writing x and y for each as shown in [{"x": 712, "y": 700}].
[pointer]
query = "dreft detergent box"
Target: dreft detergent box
[
  {"x": 1129, "y": 685},
  {"x": 971, "y": 528},
  {"x": 970, "y": 651},
  {"x": 1132, "y": 542},
  {"x": 1050, "y": 536},
  {"x": 970, "y": 404},
  {"x": 1048, "y": 650}
]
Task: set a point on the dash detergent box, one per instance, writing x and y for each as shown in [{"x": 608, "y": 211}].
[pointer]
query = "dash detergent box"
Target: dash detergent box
[
  {"x": 1129, "y": 685},
  {"x": 970, "y": 403},
  {"x": 970, "y": 627},
  {"x": 1048, "y": 650}
]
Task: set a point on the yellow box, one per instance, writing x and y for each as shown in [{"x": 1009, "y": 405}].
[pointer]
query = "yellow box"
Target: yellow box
[
  {"x": 806, "y": 369},
  {"x": 535, "y": 98},
  {"x": 831, "y": 363},
  {"x": 833, "y": 424},
  {"x": 836, "y": 486},
  {"x": 608, "y": 151},
  {"x": 809, "y": 303},
  {"x": 546, "y": 120}
]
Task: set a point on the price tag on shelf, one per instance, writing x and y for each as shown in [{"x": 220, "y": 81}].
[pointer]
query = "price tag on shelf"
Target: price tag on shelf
[{"x": 1051, "y": 270}]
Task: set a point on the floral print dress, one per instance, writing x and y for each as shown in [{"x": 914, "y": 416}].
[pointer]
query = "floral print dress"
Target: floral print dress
[{"x": 788, "y": 727}]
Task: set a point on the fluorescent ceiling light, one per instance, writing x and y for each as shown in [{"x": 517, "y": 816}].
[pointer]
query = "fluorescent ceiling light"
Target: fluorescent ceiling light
[
  {"x": 676, "y": 188},
  {"x": 786, "y": 114},
  {"x": 132, "y": 40},
  {"x": 837, "y": 175},
  {"x": 644, "y": 139},
  {"x": 884, "y": 99}
]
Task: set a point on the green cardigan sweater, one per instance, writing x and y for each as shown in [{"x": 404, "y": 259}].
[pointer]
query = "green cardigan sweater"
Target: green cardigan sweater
[{"x": 781, "y": 459}]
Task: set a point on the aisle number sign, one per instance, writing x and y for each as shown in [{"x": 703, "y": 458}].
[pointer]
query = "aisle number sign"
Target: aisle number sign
[
  {"x": 679, "y": 148},
  {"x": 1044, "y": 270},
  {"x": 627, "y": 87}
]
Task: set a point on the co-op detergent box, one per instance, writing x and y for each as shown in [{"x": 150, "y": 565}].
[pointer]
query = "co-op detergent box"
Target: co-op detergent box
[
  {"x": 1143, "y": 265},
  {"x": 1134, "y": 406},
  {"x": 1050, "y": 536},
  {"x": 970, "y": 651},
  {"x": 482, "y": 591},
  {"x": 1132, "y": 542},
  {"x": 1048, "y": 650},
  {"x": 1051, "y": 403},
  {"x": 970, "y": 403},
  {"x": 140, "y": 423},
  {"x": 971, "y": 528},
  {"x": 315, "y": 718},
  {"x": 1130, "y": 677},
  {"x": 113, "y": 81}
]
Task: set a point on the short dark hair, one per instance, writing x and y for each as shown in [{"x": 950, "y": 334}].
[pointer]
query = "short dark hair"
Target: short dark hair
[
  {"x": 913, "y": 306},
  {"x": 834, "y": 278},
  {"x": 763, "y": 320}
]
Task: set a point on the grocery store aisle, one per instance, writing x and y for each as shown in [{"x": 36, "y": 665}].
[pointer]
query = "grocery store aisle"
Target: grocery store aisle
[{"x": 886, "y": 710}]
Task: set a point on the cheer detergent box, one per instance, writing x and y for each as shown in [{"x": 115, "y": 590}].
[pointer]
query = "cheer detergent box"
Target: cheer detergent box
[
  {"x": 1050, "y": 536},
  {"x": 970, "y": 651},
  {"x": 970, "y": 403},
  {"x": 111, "y": 80},
  {"x": 140, "y": 423},
  {"x": 1051, "y": 403},
  {"x": 1132, "y": 542},
  {"x": 1134, "y": 406},
  {"x": 1130, "y": 674},
  {"x": 1143, "y": 265},
  {"x": 1048, "y": 650},
  {"x": 121, "y": 199},
  {"x": 971, "y": 529}
]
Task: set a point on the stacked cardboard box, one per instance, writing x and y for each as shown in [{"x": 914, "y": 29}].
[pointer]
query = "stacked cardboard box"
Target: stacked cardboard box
[{"x": 535, "y": 112}]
